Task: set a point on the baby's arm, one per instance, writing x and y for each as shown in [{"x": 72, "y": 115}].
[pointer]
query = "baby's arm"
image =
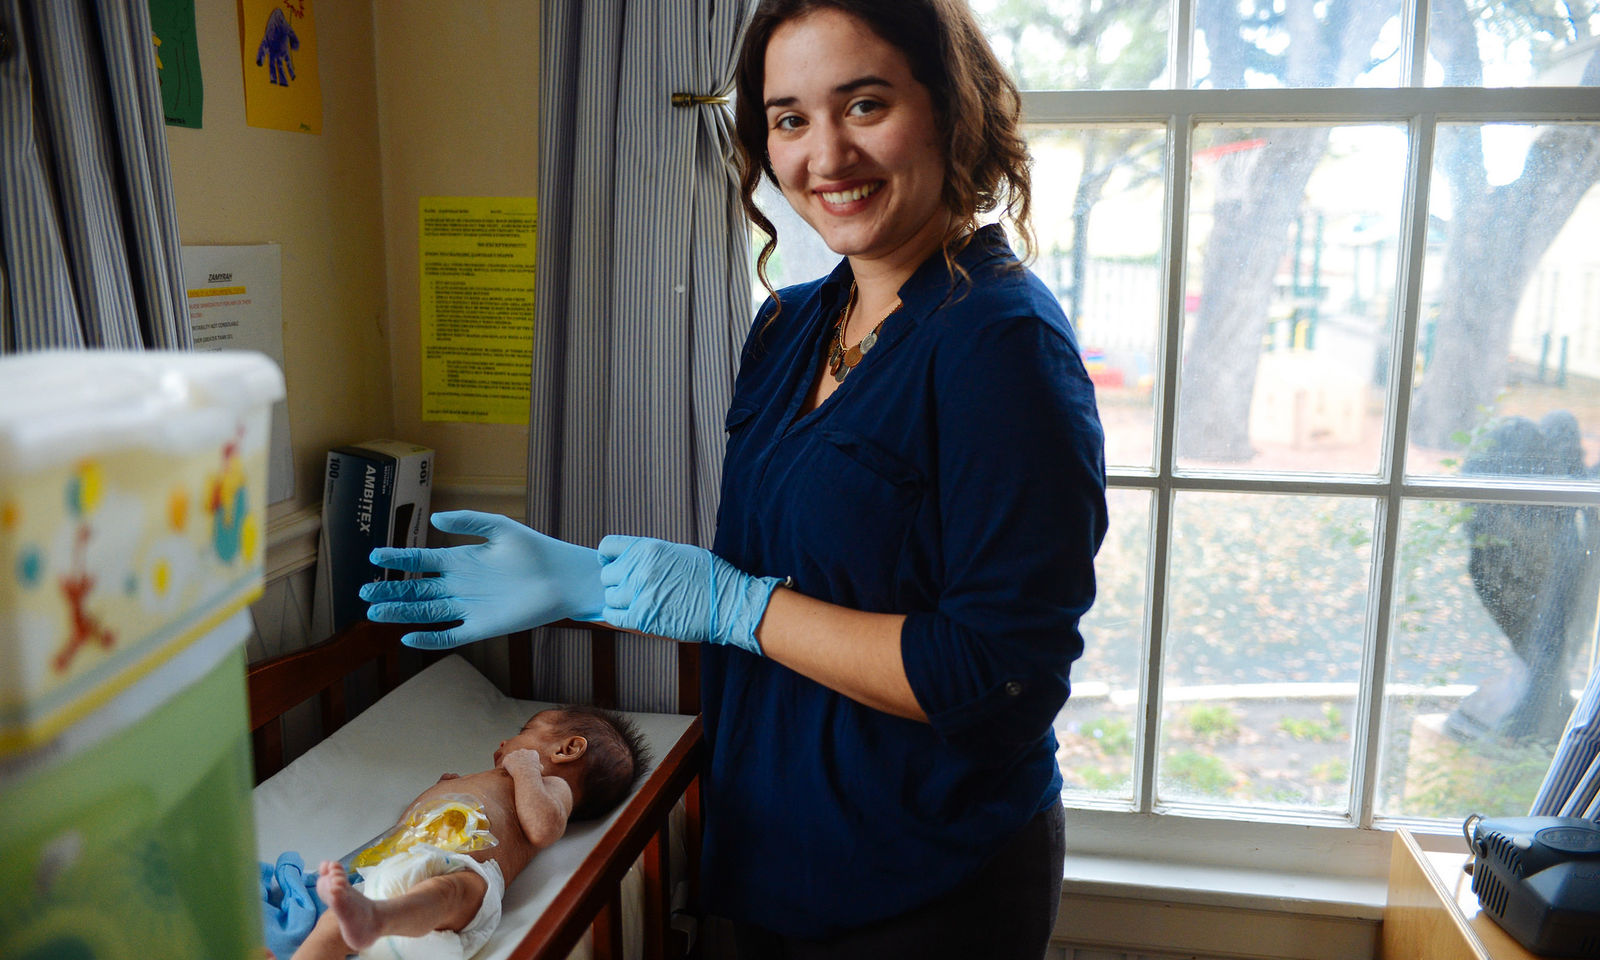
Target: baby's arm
[{"x": 543, "y": 803}]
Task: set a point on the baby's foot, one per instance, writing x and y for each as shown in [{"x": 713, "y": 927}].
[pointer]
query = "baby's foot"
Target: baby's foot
[{"x": 357, "y": 915}]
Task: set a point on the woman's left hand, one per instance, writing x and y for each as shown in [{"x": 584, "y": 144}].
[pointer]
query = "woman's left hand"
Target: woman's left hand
[
  {"x": 681, "y": 591},
  {"x": 517, "y": 579}
]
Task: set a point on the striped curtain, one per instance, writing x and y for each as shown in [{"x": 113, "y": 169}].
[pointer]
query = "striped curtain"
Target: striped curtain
[
  {"x": 88, "y": 227},
  {"x": 1571, "y": 787},
  {"x": 643, "y": 297}
]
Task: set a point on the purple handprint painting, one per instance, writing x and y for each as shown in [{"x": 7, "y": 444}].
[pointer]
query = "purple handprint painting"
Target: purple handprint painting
[{"x": 276, "y": 42}]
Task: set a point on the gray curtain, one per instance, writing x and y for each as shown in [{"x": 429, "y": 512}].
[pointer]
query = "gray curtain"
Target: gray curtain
[
  {"x": 88, "y": 228},
  {"x": 1571, "y": 787},
  {"x": 643, "y": 297}
]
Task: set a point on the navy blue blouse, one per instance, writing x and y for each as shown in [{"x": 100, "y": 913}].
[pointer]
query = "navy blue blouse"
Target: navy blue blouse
[{"x": 957, "y": 477}]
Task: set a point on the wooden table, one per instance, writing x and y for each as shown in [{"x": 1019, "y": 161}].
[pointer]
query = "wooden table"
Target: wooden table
[{"x": 1432, "y": 913}]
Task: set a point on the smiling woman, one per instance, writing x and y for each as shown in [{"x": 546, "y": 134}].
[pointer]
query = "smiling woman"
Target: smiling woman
[
  {"x": 891, "y": 603},
  {"x": 856, "y": 154}
]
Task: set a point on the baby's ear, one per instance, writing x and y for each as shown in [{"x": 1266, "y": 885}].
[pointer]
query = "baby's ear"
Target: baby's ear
[{"x": 570, "y": 749}]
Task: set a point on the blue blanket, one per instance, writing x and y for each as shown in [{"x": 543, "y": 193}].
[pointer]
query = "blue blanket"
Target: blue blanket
[{"x": 289, "y": 903}]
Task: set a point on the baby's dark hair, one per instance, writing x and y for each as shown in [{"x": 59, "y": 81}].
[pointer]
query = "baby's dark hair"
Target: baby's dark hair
[{"x": 617, "y": 756}]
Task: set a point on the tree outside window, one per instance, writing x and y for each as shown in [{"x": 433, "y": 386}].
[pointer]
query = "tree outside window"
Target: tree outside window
[{"x": 1354, "y": 516}]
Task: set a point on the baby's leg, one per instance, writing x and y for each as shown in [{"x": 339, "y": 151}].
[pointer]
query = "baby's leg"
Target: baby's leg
[
  {"x": 447, "y": 902},
  {"x": 323, "y": 942}
]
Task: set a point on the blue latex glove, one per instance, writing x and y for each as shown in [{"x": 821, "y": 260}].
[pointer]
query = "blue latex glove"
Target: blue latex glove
[
  {"x": 681, "y": 591},
  {"x": 289, "y": 903},
  {"x": 517, "y": 579}
]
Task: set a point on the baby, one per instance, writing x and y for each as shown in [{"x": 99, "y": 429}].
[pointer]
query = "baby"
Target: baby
[{"x": 568, "y": 762}]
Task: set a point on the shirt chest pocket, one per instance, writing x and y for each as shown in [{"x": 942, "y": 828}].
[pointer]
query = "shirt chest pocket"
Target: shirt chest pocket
[
  {"x": 904, "y": 480},
  {"x": 859, "y": 499},
  {"x": 735, "y": 426}
]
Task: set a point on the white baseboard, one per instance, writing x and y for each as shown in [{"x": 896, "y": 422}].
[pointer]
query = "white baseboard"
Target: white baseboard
[{"x": 292, "y": 542}]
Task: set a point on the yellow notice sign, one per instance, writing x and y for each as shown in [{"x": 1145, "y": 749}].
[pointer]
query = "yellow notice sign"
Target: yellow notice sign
[
  {"x": 476, "y": 256},
  {"x": 278, "y": 51}
]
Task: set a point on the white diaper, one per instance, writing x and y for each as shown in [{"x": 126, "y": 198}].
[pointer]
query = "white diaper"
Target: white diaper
[{"x": 401, "y": 872}]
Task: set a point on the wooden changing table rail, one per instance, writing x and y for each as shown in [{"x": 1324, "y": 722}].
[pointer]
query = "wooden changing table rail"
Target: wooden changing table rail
[
  {"x": 279, "y": 685},
  {"x": 595, "y": 888},
  {"x": 591, "y": 898}
]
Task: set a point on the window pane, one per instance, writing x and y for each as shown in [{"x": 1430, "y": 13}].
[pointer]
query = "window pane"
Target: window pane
[
  {"x": 1289, "y": 297},
  {"x": 800, "y": 255},
  {"x": 1079, "y": 44},
  {"x": 1267, "y": 621},
  {"x": 1508, "y": 351},
  {"x": 1099, "y": 726},
  {"x": 1493, "y": 634},
  {"x": 1098, "y": 214},
  {"x": 1506, "y": 43},
  {"x": 1267, "y": 43}
]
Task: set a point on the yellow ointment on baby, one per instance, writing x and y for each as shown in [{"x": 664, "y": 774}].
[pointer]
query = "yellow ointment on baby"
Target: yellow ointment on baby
[{"x": 455, "y": 824}]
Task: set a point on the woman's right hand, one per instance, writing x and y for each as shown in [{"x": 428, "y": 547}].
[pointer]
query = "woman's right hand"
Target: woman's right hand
[{"x": 517, "y": 579}]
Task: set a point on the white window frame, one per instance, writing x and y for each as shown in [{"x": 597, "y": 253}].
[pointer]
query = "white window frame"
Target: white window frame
[{"x": 1211, "y": 854}]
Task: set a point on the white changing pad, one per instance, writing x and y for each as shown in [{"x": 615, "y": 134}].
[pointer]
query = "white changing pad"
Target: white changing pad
[{"x": 447, "y": 719}]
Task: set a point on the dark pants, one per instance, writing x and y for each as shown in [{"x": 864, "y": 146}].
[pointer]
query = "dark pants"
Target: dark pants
[{"x": 1003, "y": 912}]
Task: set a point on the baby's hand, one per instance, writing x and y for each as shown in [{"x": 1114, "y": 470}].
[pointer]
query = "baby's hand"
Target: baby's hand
[{"x": 523, "y": 763}]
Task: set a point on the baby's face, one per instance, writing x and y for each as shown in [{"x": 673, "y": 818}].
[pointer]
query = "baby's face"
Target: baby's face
[{"x": 541, "y": 734}]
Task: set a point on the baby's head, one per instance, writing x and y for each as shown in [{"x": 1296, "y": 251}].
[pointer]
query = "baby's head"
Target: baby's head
[{"x": 600, "y": 753}]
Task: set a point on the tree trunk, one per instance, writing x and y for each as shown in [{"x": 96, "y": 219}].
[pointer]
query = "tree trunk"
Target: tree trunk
[
  {"x": 1497, "y": 238},
  {"x": 1249, "y": 233}
]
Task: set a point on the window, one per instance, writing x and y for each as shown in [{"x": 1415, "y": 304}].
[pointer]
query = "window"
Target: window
[{"x": 1332, "y": 268}]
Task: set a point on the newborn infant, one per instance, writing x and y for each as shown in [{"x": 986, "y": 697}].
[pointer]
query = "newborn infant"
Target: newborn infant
[{"x": 439, "y": 875}]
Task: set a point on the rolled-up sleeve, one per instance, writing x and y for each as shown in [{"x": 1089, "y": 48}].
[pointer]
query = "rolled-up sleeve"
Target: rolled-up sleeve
[{"x": 1022, "y": 512}]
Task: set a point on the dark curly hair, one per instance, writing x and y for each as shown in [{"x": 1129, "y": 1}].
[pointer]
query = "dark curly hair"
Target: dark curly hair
[
  {"x": 617, "y": 756},
  {"x": 976, "y": 105}
]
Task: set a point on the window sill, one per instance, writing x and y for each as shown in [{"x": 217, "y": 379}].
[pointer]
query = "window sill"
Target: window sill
[
  {"x": 1232, "y": 888},
  {"x": 1195, "y": 886},
  {"x": 1138, "y": 907}
]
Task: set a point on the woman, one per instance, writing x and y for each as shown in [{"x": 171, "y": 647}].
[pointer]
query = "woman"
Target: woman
[{"x": 912, "y": 499}]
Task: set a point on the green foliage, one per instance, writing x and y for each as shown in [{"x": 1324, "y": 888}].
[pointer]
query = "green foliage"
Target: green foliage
[
  {"x": 1199, "y": 772},
  {"x": 1063, "y": 46},
  {"x": 1333, "y": 770},
  {"x": 1112, "y": 734},
  {"x": 1330, "y": 728},
  {"x": 1212, "y": 722},
  {"x": 1494, "y": 778},
  {"x": 1093, "y": 778}
]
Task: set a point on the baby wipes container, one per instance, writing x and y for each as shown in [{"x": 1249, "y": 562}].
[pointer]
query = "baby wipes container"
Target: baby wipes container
[{"x": 132, "y": 521}]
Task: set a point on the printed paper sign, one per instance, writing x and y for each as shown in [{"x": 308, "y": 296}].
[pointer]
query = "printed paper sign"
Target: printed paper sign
[{"x": 477, "y": 259}]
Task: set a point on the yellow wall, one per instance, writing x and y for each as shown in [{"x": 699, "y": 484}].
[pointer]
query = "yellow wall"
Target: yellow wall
[
  {"x": 419, "y": 99},
  {"x": 459, "y": 99},
  {"x": 320, "y": 198}
]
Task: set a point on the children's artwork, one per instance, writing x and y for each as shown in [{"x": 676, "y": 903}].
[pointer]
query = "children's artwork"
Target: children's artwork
[
  {"x": 278, "y": 51},
  {"x": 177, "y": 61}
]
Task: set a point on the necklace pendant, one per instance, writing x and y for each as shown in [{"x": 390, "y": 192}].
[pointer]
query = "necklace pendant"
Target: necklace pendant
[
  {"x": 841, "y": 373},
  {"x": 869, "y": 341}
]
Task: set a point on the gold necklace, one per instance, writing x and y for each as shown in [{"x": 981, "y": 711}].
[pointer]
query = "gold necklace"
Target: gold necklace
[{"x": 842, "y": 361}]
